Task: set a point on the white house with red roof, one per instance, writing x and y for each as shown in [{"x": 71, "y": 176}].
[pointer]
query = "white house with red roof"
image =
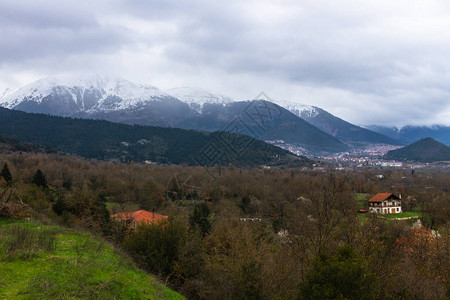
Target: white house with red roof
[{"x": 385, "y": 203}]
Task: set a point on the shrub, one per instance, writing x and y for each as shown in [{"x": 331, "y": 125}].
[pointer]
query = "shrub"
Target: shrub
[
  {"x": 340, "y": 276},
  {"x": 157, "y": 246}
]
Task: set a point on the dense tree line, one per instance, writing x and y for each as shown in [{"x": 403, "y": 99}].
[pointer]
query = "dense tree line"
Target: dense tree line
[{"x": 253, "y": 233}]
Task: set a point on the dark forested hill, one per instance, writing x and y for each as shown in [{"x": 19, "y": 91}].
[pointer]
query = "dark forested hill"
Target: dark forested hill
[
  {"x": 424, "y": 150},
  {"x": 114, "y": 141}
]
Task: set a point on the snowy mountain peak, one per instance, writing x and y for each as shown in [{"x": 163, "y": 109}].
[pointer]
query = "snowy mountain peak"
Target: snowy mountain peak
[
  {"x": 81, "y": 93},
  {"x": 298, "y": 109},
  {"x": 197, "y": 97}
]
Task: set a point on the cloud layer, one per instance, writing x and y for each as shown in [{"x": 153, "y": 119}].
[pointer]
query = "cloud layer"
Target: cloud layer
[{"x": 369, "y": 63}]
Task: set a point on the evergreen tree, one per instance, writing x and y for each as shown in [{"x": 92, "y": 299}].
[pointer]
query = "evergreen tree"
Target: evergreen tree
[
  {"x": 201, "y": 218},
  {"x": 39, "y": 179},
  {"x": 60, "y": 206},
  {"x": 5, "y": 173}
]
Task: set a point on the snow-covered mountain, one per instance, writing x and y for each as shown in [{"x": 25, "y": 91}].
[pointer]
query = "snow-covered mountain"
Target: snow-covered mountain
[
  {"x": 5, "y": 93},
  {"x": 197, "y": 98},
  {"x": 298, "y": 109},
  {"x": 335, "y": 126},
  {"x": 119, "y": 100},
  {"x": 69, "y": 95}
]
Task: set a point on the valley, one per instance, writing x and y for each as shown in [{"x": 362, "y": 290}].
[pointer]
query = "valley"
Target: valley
[{"x": 229, "y": 150}]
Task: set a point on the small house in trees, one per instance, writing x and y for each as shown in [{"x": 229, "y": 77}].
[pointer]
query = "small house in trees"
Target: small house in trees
[
  {"x": 135, "y": 218},
  {"x": 385, "y": 203}
]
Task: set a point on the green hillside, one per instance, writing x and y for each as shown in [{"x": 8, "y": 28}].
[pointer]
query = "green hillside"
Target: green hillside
[{"x": 43, "y": 262}]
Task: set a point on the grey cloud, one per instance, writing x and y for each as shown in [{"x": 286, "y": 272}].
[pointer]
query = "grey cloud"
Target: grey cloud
[
  {"x": 42, "y": 14},
  {"x": 371, "y": 53},
  {"x": 36, "y": 30}
]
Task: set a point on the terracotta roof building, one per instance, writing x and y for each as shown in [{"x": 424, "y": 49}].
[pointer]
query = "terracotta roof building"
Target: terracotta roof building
[
  {"x": 139, "y": 217},
  {"x": 385, "y": 203}
]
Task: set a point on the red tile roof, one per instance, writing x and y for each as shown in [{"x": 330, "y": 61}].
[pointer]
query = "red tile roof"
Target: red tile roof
[
  {"x": 380, "y": 197},
  {"x": 141, "y": 216}
]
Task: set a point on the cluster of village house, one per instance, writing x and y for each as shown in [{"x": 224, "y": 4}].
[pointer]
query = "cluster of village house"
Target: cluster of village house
[{"x": 382, "y": 203}]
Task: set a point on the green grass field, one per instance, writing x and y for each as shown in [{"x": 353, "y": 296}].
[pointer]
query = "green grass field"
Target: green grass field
[
  {"x": 406, "y": 214},
  {"x": 43, "y": 262},
  {"x": 362, "y": 217}
]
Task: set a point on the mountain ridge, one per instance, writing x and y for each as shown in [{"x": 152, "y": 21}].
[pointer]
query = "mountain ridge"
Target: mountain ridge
[
  {"x": 412, "y": 133},
  {"x": 119, "y": 100},
  {"x": 196, "y": 98},
  {"x": 342, "y": 129}
]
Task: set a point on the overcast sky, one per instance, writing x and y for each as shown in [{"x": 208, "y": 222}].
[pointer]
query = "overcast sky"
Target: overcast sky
[{"x": 368, "y": 62}]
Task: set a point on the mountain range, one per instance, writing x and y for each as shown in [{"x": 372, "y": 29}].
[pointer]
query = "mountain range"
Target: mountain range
[
  {"x": 411, "y": 134},
  {"x": 119, "y": 100},
  {"x": 337, "y": 127},
  {"x": 425, "y": 150}
]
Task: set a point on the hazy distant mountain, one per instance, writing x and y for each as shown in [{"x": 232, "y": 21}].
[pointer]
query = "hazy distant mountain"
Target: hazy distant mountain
[
  {"x": 424, "y": 150},
  {"x": 337, "y": 127},
  {"x": 413, "y": 133}
]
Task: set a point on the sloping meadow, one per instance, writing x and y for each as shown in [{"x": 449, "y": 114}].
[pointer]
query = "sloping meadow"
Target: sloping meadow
[{"x": 38, "y": 261}]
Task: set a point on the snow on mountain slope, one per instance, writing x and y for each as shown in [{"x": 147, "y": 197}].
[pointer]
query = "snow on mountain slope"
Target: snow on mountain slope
[
  {"x": 81, "y": 93},
  {"x": 298, "y": 109},
  {"x": 122, "y": 94},
  {"x": 5, "y": 93},
  {"x": 197, "y": 97}
]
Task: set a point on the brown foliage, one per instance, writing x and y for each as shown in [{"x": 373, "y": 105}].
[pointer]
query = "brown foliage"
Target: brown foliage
[{"x": 301, "y": 215}]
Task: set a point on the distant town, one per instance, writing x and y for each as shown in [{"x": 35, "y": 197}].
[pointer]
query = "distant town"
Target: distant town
[{"x": 370, "y": 156}]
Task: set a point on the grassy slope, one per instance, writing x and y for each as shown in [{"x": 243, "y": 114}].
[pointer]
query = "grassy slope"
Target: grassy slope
[
  {"x": 406, "y": 214},
  {"x": 39, "y": 262}
]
